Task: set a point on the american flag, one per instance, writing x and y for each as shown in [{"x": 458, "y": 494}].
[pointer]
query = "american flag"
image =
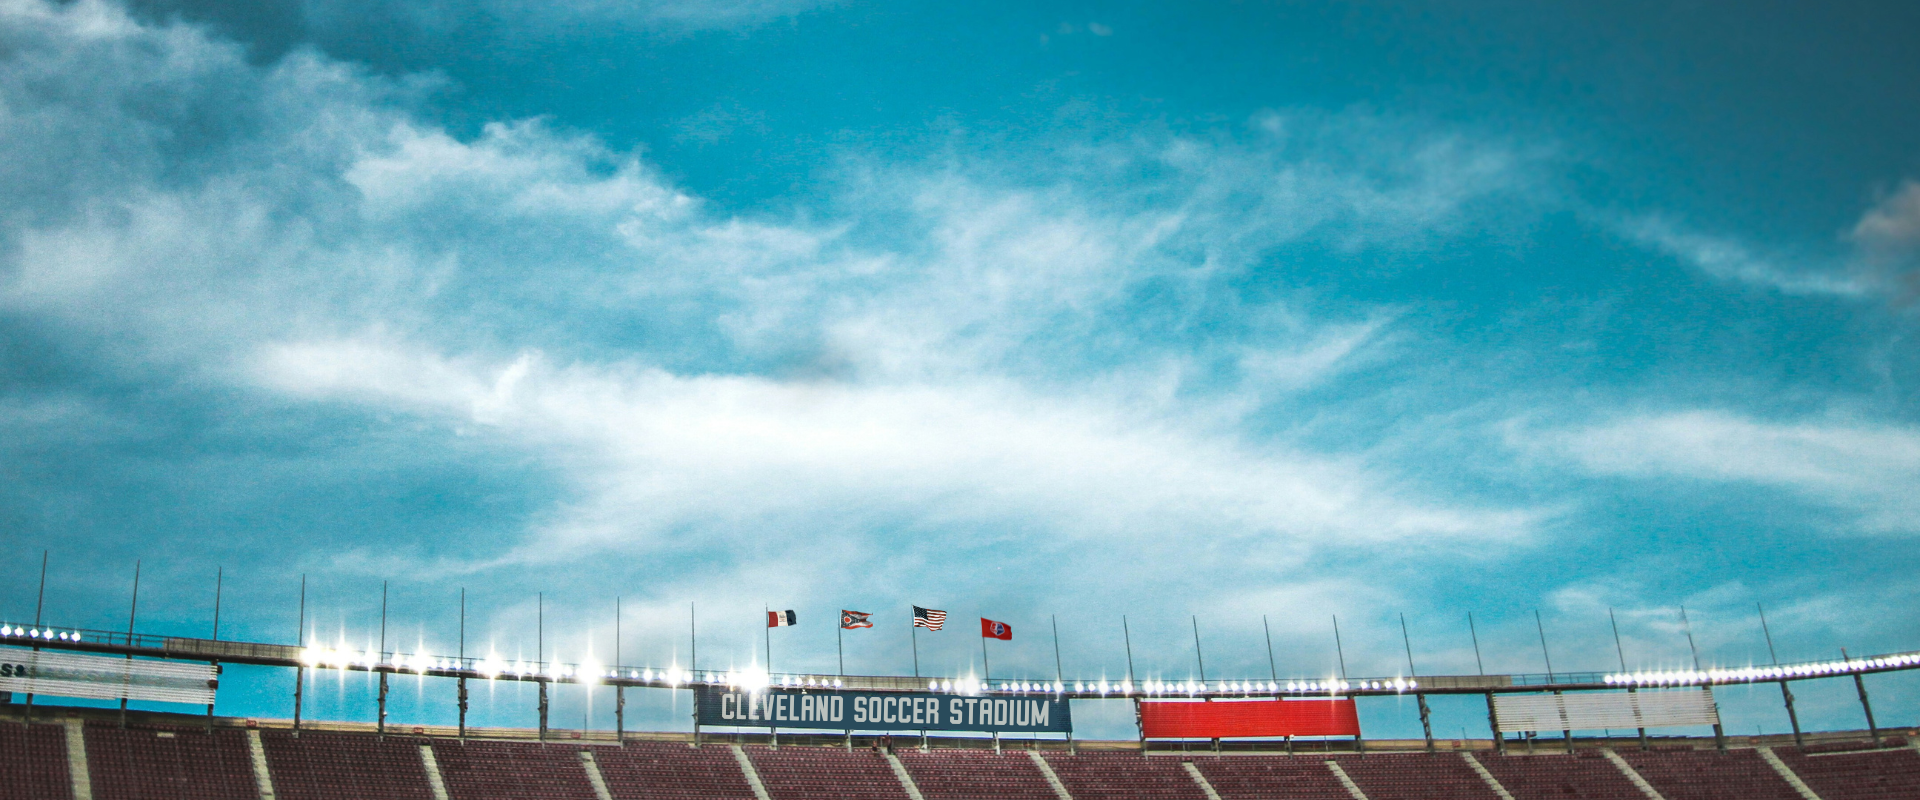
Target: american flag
[{"x": 928, "y": 618}]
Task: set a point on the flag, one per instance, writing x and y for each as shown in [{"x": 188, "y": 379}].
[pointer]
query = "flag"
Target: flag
[
  {"x": 776, "y": 619},
  {"x": 996, "y": 630},
  {"x": 929, "y": 618},
  {"x": 854, "y": 619}
]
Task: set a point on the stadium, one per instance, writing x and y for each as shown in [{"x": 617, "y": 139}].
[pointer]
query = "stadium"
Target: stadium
[
  {"x": 908, "y": 400},
  {"x": 867, "y": 736}
]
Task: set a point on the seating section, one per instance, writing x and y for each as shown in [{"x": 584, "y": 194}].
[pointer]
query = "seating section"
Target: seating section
[
  {"x": 1586, "y": 775},
  {"x": 1710, "y": 775},
  {"x": 1124, "y": 777},
  {"x": 512, "y": 771},
  {"x": 672, "y": 771},
  {"x": 970, "y": 774},
  {"x": 154, "y": 763},
  {"x": 145, "y": 762},
  {"x": 1416, "y": 776},
  {"x": 33, "y": 761},
  {"x": 1868, "y": 775},
  {"x": 335, "y": 766},
  {"x": 1277, "y": 777},
  {"x": 825, "y": 773}
]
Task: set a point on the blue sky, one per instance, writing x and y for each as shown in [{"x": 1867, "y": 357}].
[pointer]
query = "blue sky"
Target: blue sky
[{"x": 1078, "y": 310}]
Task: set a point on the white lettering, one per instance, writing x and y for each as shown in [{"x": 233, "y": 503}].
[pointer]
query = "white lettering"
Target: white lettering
[
  {"x": 859, "y": 709},
  {"x": 839, "y": 705},
  {"x": 1042, "y": 713}
]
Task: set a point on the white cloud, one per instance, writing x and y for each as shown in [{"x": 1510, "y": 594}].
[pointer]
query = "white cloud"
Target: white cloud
[
  {"x": 952, "y": 360},
  {"x": 1864, "y": 468},
  {"x": 1728, "y": 259}
]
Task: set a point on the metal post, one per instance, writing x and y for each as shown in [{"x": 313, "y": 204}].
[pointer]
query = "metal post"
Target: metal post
[
  {"x": 1493, "y": 721},
  {"x": 1479, "y": 666},
  {"x": 38, "y": 605},
  {"x": 1359, "y": 743},
  {"x": 1622, "y": 651},
  {"x": 1719, "y": 733},
  {"x": 380, "y": 729},
  {"x": 914, "y": 634},
  {"x": 300, "y": 672},
  {"x": 693, "y": 659},
  {"x": 1785, "y": 693},
  {"x": 1139, "y": 722},
  {"x": 1060, "y": 673},
  {"x": 619, "y": 689},
  {"x": 1426, "y": 725},
  {"x": 218, "y": 574},
  {"x": 1565, "y": 735},
  {"x": 1202, "y": 661},
  {"x": 986, "y": 669},
  {"x": 540, "y": 657},
  {"x": 1273, "y": 670},
  {"x": 1860, "y": 686},
  {"x": 463, "y": 664},
  {"x": 132, "y": 612}
]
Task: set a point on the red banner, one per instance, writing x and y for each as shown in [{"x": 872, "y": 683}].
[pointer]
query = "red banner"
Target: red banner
[{"x": 1242, "y": 718}]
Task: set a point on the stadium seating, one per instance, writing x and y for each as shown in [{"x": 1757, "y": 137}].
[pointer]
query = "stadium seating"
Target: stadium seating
[
  {"x": 478, "y": 770},
  {"x": 1415, "y": 776},
  {"x": 1275, "y": 777},
  {"x": 33, "y": 761},
  {"x": 335, "y": 766},
  {"x": 1709, "y": 775},
  {"x": 1860, "y": 774},
  {"x": 672, "y": 771},
  {"x": 825, "y": 773},
  {"x": 163, "y": 763},
  {"x": 1586, "y": 775},
  {"x": 1092, "y": 776},
  {"x": 969, "y": 774}
]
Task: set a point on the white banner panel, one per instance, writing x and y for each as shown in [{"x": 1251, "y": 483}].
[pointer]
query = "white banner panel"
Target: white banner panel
[
  {"x": 104, "y": 677},
  {"x": 1583, "y": 711}
]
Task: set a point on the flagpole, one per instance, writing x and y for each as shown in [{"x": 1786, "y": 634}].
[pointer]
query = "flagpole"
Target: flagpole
[
  {"x": 769, "y": 637},
  {"x": 916, "y": 650},
  {"x": 840, "y": 644},
  {"x": 986, "y": 670},
  {"x": 1124, "y": 631},
  {"x": 1058, "y": 673}
]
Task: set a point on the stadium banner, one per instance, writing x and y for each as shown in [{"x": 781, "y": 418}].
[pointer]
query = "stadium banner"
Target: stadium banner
[
  {"x": 880, "y": 711},
  {"x": 24, "y": 671},
  {"x": 1581, "y": 711},
  {"x": 1230, "y": 719}
]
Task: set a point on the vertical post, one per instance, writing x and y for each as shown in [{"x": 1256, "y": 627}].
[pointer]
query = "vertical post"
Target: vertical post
[
  {"x": 300, "y": 671},
  {"x": 1426, "y": 724},
  {"x": 379, "y": 661},
  {"x": 1622, "y": 651},
  {"x": 693, "y": 661},
  {"x": 986, "y": 669},
  {"x": 914, "y": 634},
  {"x": 219, "y": 572},
  {"x": 1273, "y": 670},
  {"x": 1493, "y": 722},
  {"x": 540, "y": 657},
  {"x": 1719, "y": 733},
  {"x": 1565, "y": 735},
  {"x": 1138, "y": 721},
  {"x": 1339, "y": 649},
  {"x": 462, "y": 663},
  {"x": 840, "y": 645},
  {"x": 1785, "y": 693},
  {"x": 132, "y": 612},
  {"x": 1202, "y": 661},
  {"x": 38, "y": 605},
  {"x": 1860, "y": 686},
  {"x": 1060, "y": 674},
  {"x": 773, "y": 731},
  {"x": 619, "y": 689},
  {"x": 1479, "y": 666}
]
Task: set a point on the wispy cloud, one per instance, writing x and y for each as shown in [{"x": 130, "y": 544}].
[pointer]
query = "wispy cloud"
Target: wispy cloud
[{"x": 1867, "y": 469}]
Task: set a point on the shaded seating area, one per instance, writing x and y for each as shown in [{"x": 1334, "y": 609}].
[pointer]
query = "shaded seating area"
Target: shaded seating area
[
  {"x": 33, "y": 762},
  {"x": 1272, "y": 778},
  {"x": 336, "y": 766},
  {"x": 1710, "y": 775},
  {"x": 825, "y": 773},
  {"x": 967, "y": 774},
  {"x": 477, "y": 770},
  {"x": 160, "y": 763},
  {"x": 1092, "y": 776},
  {"x": 1586, "y": 775},
  {"x": 672, "y": 771}
]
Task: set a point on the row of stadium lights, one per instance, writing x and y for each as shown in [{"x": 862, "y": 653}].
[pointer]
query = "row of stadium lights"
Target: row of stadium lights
[
  {"x": 1814, "y": 670},
  {"x": 492, "y": 667},
  {"x": 36, "y": 633}
]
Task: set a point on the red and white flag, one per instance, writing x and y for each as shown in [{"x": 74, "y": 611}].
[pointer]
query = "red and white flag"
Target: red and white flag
[{"x": 993, "y": 629}]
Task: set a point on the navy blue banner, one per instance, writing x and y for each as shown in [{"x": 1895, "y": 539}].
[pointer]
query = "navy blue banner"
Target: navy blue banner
[{"x": 881, "y": 711}]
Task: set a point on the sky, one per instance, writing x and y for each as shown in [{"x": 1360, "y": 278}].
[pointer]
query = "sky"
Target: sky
[{"x": 1227, "y": 318}]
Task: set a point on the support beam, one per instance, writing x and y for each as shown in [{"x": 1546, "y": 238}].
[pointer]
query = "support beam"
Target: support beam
[
  {"x": 543, "y": 711},
  {"x": 1792, "y": 717},
  {"x": 1426, "y": 724},
  {"x": 1493, "y": 721},
  {"x": 1872, "y": 729}
]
